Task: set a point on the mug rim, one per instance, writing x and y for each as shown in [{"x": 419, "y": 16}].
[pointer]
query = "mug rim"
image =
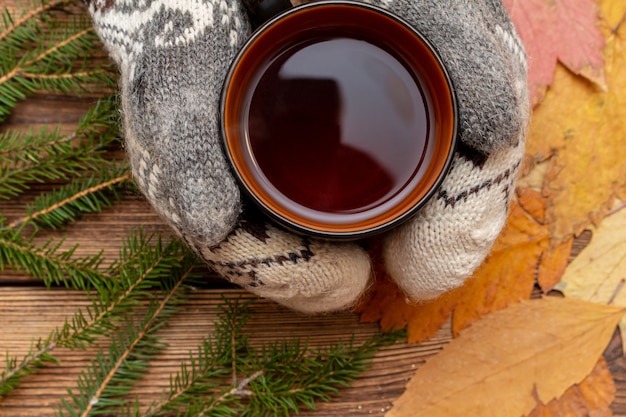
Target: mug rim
[{"x": 395, "y": 220}]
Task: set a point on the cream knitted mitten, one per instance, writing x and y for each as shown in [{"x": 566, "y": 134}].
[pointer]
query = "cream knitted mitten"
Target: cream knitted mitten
[
  {"x": 173, "y": 56},
  {"x": 450, "y": 237}
]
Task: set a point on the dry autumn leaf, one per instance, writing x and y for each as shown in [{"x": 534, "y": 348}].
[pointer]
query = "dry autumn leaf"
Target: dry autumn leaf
[
  {"x": 592, "y": 397},
  {"x": 563, "y": 30},
  {"x": 543, "y": 346},
  {"x": 581, "y": 129},
  {"x": 507, "y": 276},
  {"x": 598, "y": 273}
]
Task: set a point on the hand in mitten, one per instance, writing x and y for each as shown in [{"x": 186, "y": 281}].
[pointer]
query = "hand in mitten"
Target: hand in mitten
[
  {"x": 450, "y": 237},
  {"x": 173, "y": 56}
]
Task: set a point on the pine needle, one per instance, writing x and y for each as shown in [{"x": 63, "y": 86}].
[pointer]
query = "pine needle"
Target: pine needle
[
  {"x": 144, "y": 264},
  {"x": 61, "y": 62},
  {"x": 9, "y": 24},
  {"x": 37, "y": 357},
  {"x": 277, "y": 379},
  {"x": 47, "y": 155},
  {"x": 49, "y": 262},
  {"x": 103, "y": 386},
  {"x": 83, "y": 195}
]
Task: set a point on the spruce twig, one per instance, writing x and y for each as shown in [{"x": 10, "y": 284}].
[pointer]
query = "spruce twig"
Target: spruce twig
[
  {"x": 125, "y": 291},
  {"x": 112, "y": 374},
  {"x": 27, "y": 157},
  {"x": 85, "y": 195},
  {"x": 49, "y": 262},
  {"x": 11, "y": 24},
  {"x": 277, "y": 379},
  {"x": 61, "y": 62},
  {"x": 142, "y": 266},
  {"x": 208, "y": 371},
  {"x": 15, "y": 370}
]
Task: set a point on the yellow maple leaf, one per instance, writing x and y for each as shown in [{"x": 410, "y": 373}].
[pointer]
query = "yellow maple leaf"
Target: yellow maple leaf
[
  {"x": 583, "y": 130},
  {"x": 592, "y": 397},
  {"x": 494, "y": 367},
  {"x": 598, "y": 273}
]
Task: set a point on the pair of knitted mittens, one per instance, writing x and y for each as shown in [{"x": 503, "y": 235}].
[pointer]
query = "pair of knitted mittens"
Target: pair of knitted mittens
[{"x": 173, "y": 56}]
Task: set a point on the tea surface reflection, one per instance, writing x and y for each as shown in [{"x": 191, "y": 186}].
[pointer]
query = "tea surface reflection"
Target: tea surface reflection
[{"x": 337, "y": 125}]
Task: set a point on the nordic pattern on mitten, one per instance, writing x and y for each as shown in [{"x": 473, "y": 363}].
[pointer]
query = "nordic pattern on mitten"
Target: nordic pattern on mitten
[
  {"x": 173, "y": 56},
  {"x": 450, "y": 237},
  {"x": 302, "y": 273}
]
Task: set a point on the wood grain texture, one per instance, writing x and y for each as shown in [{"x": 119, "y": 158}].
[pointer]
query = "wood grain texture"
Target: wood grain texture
[{"x": 31, "y": 312}]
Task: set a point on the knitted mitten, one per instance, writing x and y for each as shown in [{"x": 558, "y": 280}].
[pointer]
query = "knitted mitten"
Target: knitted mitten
[
  {"x": 173, "y": 56},
  {"x": 450, "y": 237}
]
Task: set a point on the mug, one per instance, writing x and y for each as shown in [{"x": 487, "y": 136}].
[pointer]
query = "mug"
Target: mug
[{"x": 339, "y": 118}]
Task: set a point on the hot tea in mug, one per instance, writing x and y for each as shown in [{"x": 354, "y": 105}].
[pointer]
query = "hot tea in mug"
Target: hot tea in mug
[{"x": 339, "y": 119}]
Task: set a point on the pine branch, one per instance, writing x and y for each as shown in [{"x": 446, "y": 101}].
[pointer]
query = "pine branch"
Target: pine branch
[
  {"x": 49, "y": 262},
  {"x": 84, "y": 195},
  {"x": 209, "y": 369},
  {"x": 62, "y": 61},
  {"x": 112, "y": 374},
  {"x": 27, "y": 157},
  {"x": 10, "y": 24},
  {"x": 38, "y": 162},
  {"x": 142, "y": 266},
  {"x": 294, "y": 376},
  {"x": 124, "y": 291},
  {"x": 279, "y": 379},
  {"x": 37, "y": 357}
]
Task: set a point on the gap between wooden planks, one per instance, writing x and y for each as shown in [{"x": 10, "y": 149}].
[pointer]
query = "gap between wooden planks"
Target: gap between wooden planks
[{"x": 33, "y": 312}]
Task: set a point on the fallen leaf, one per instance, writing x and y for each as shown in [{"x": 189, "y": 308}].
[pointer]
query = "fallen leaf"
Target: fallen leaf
[
  {"x": 492, "y": 369},
  {"x": 552, "y": 265},
  {"x": 385, "y": 302},
  {"x": 581, "y": 129},
  {"x": 563, "y": 30},
  {"x": 598, "y": 273},
  {"x": 592, "y": 397},
  {"x": 533, "y": 202},
  {"x": 507, "y": 276}
]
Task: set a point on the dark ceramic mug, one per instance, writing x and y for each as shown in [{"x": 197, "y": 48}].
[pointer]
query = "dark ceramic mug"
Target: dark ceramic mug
[{"x": 338, "y": 117}]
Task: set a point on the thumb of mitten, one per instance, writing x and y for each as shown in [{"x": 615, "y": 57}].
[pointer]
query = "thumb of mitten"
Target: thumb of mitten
[{"x": 173, "y": 56}]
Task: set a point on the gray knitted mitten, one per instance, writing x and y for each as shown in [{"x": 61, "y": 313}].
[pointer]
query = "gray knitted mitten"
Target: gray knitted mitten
[{"x": 173, "y": 56}]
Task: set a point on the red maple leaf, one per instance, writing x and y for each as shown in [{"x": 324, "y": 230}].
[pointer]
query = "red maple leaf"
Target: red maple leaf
[{"x": 563, "y": 30}]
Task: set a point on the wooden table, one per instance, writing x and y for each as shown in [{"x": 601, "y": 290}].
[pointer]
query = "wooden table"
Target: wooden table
[{"x": 29, "y": 310}]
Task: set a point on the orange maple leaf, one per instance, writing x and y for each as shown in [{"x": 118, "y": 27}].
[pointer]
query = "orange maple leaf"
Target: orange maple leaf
[
  {"x": 591, "y": 397},
  {"x": 494, "y": 366},
  {"x": 507, "y": 276}
]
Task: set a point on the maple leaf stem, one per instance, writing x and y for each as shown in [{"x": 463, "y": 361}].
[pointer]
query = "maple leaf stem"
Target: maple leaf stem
[
  {"x": 616, "y": 208},
  {"x": 619, "y": 25},
  {"x": 619, "y": 287}
]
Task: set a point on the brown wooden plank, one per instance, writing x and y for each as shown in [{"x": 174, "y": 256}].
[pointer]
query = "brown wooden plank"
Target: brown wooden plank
[{"x": 29, "y": 313}]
